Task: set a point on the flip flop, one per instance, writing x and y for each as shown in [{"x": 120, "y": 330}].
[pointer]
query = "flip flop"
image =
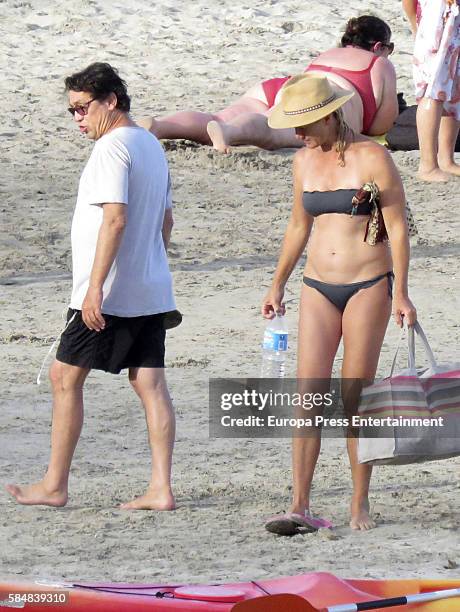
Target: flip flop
[
  {"x": 290, "y": 523},
  {"x": 282, "y": 524},
  {"x": 309, "y": 521}
]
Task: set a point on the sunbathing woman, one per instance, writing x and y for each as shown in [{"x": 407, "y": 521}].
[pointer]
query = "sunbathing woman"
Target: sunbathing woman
[
  {"x": 347, "y": 290},
  {"x": 359, "y": 64}
]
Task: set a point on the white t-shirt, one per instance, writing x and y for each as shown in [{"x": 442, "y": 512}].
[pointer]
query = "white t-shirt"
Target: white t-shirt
[{"x": 127, "y": 166}]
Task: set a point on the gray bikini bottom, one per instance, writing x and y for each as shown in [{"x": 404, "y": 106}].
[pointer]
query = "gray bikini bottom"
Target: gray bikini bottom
[{"x": 340, "y": 294}]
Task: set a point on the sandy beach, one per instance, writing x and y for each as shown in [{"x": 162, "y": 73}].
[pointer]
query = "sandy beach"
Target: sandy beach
[{"x": 230, "y": 214}]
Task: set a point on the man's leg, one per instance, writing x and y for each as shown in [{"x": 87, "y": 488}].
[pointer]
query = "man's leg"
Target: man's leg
[
  {"x": 150, "y": 385},
  {"x": 67, "y": 384}
]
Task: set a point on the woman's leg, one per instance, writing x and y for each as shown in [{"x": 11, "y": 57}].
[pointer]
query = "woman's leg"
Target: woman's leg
[
  {"x": 448, "y": 133},
  {"x": 320, "y": 324},
  {"x": 429, "y": 114},
  {"x": 250, "y": 129},
  {"x": 245, "y": 123},
  {"x": 364, "y": 323},
  {"x": 190, "y": 125}
]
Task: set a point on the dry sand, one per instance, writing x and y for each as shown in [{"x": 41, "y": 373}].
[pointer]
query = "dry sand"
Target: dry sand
[{"x": 230, "y": 214}]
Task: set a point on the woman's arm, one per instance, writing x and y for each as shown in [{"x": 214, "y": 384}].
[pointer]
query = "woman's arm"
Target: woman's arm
[
  {"x": 393, "y": 205},
  {"x": 294, "y": 242},
  {"x": 410, "y": 8},
  {"x": 387, "y": 100}
]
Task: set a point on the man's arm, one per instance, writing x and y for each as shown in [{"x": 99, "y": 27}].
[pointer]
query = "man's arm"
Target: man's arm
[
  {"x": 166, "y": 230},
  {"x": 108, "y": 243}
]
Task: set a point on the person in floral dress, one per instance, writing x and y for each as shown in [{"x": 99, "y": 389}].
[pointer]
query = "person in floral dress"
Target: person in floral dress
[{"x": 436, "y": 71}]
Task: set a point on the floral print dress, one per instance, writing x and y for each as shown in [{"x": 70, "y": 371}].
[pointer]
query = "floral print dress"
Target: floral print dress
[{"x": 436, "y": 54}]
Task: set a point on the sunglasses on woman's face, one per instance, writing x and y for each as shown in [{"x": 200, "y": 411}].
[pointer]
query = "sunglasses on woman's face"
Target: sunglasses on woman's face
[
  {"x": 81, "y": 110},
  {"x": 390, "y": 46}
]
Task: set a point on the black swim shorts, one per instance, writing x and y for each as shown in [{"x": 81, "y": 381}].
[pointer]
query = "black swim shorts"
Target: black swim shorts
[{"x": 125, "y": 342}]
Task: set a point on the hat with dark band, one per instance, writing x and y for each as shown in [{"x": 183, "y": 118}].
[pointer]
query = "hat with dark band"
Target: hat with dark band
[{"x": 304, "y": 100}]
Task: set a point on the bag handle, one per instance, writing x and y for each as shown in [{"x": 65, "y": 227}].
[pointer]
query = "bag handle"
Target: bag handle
[
  {"x": 417, "y": 328},
  {"x": 412, "y": 329},
  {"x": 398, "y": 346}
]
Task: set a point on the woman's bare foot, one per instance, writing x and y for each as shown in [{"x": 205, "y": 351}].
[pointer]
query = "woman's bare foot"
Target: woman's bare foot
[
  {"x": 433, "y": 176},
  {"x": 360, "y": 519},
  {"x": 299, "y": 509},
  {"x": 37, "y": 495},
  {"x": 216, "y": 132},
  {"x": 149, "y": 124},
  {"x": 451, "y": 168},
  {"x": 153, "y": 499}
]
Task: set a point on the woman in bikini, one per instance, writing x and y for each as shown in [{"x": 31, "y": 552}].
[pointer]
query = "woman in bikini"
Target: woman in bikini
[
  {"x": 359, "y": 64},
  {"x": 348, "y": 188}
]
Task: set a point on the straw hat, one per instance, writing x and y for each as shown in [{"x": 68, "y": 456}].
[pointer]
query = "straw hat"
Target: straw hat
[{"x": 304, "y": 100}]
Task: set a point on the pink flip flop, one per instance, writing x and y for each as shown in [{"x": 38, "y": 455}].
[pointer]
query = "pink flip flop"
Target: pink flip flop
[
  {"x": 290, "y": 523},
  {"x": 309, "y": 521}
]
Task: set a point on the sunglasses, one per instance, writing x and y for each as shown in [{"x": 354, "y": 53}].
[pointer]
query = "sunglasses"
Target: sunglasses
[
  {"x": 81, "y": 110},
  {"x": 390, "y": 46}
]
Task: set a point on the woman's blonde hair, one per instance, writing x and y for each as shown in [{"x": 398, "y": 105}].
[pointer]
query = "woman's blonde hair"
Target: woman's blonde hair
[{"x": 343, "y": 130}]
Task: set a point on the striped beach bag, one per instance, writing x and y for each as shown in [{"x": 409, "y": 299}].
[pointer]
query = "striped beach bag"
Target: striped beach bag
[{"x": 413, "y": 416}]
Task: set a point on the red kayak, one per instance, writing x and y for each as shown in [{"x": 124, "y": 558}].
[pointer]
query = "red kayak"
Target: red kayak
[{"x": 319, "y": 589}]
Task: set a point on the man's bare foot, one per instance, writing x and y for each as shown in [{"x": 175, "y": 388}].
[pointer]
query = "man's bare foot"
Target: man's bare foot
[
  {"x": 37, "y": 495},
  {"x": 433, "y": 176},
  {"x": 360, "y": 519},
  {"x": 153, "y": 499},
  {"x": 451, "y": 168},
  {"x": 216, "y": 132}
]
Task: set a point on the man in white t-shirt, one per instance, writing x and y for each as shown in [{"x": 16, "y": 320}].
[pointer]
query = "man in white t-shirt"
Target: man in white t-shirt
[{"x": 122, "y": 297}]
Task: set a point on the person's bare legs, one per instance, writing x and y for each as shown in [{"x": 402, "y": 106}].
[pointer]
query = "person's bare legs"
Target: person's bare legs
[
  {"x": 429, "y": 114},
  {"x": 242, "y": 123},
  {"x": 190, "y": 125},
  {"x": 364, "y": 323},
  {"x": 67, "y": 385},
  {"x": 250, "y": 129},
  {"x": 150, "y": 385},
  {"x": 448, "y": 133},
  {"x": 319, "y": 336}
]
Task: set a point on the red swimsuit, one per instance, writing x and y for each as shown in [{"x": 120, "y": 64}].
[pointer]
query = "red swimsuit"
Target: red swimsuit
[
  {"x": 272, "y": 87},
  {"x": 360, "y": 79}
]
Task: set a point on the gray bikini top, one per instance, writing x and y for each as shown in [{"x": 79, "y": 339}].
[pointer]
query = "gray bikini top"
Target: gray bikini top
[{"x": 337, "y": 201}]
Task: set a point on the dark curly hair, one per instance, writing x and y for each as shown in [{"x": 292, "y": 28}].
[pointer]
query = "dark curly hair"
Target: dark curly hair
[
  {"x": 365, "y": 31},
  {"x": 100, "y": 80}
]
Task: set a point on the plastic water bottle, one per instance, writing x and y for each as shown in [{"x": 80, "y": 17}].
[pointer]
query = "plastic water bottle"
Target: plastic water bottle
[{"x": 274, "y": 348}]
